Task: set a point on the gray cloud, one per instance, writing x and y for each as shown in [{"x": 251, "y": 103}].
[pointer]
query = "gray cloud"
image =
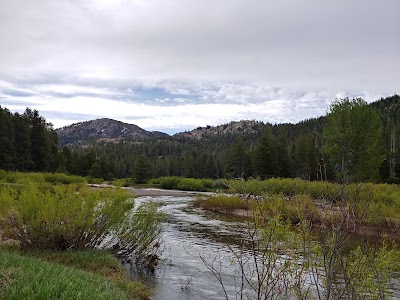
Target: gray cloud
[{"x": 288, "y": 55}]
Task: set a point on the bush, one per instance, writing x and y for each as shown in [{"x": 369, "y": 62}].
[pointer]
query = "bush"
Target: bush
[
  {"x": 125, "y": 182},
  {"x": 169, "y": 183},
  {"x": 55, "y": 178},
  {"x": 190, "y": 184},
  {"x": 77, "y": 217},
  {"x": 93, "y": 180}
]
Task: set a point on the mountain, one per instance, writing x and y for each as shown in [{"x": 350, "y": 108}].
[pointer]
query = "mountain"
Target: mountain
[
  {"x": 104, "y": 130},
  {"x": 235, "y": 127}
]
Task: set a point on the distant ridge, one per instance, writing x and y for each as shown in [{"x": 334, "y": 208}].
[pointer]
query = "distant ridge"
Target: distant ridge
[
  {"x": 234, "y": 127},
  {"x": 104, "y": 130}
]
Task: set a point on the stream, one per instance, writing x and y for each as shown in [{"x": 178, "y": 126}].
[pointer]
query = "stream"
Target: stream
[{"x": 190, "y": 235}]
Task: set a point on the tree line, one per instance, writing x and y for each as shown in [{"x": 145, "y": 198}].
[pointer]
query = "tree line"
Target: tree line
[{"x": 354, "y": 142}]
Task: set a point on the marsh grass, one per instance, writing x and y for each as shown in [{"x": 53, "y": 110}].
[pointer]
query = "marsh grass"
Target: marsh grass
[
  {"x": 223, "y": 203},
  {"x": 40, "y": 179},
  {"x": 99, "y": 262}
]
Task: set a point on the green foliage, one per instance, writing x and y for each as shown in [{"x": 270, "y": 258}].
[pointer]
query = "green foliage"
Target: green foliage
[
  {"x": 373, "y": 204},
  {"x": 265, "y": 163},
  {"x": 351, "y": 142},
  {"x": 141, "y": 169},
  {"x": 185, "y": 184},
  {"x": 222, "y": 203},
  {"x": 190, "y": 184},
  {"x": 169, "y": 183},
  {"x": 99, "y": 262},
  {"x": 31, "y": 278},
  {"x": 65, "y": 217},
  {"x": 125, "y": 182},
  {"x": 40, "y": 179}
]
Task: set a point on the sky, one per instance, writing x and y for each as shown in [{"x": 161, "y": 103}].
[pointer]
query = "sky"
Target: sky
[{"x": 175, "y": 65}]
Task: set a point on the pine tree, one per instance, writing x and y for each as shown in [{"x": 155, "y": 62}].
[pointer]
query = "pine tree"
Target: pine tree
[
  {"x": 141, "y": 169},
  {"x": 6, "y": 139},
  {"x": 265, "y": 155}
]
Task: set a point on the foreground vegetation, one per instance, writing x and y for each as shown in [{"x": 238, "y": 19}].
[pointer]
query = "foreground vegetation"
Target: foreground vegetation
[
  {"x": 57, "y": 222},
  {"x": 65, "y": 275}
]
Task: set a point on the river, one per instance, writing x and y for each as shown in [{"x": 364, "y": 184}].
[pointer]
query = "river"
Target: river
[{"x": 190, "y": 235}]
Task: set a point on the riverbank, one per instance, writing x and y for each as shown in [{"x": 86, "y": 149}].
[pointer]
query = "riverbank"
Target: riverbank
[
  {"x": 88, "y": 275},
  {"x": 322, "y": 215}
]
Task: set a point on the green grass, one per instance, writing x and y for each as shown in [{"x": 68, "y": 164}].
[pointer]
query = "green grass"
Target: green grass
[
  {"x": 222, "y": 203},
  {"x": 29, "y": 278},
  {"x": 41, "y": 179}
]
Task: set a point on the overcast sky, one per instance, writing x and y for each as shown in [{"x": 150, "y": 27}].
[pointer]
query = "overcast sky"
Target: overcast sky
[{"x": 173, "y": 65}]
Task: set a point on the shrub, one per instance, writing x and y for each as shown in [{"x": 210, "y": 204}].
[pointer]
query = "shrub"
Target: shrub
[
  {"x": 207, "y": 183},
  {"x": 77, "y": 217},
  {"x": 64, "y": 178},
  {"x": 125, "y": 182},
  {"x": 93, "y": 180},
  {"x": 169, "y": 183},
  {"x": 190, "y": 184}
]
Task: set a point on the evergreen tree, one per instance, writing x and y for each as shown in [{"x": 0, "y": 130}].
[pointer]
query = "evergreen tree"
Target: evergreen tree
[
  {"x": 6, "y": 139},
  {"x": 238, "y": 165},
  {"x": 22, "y": 143},
  {"x": 141, "y": 169},
  {"x": 265, "y": 155}
]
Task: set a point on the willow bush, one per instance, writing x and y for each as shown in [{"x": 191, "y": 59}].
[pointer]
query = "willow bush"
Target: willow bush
[{"x": 75, "y": 216}]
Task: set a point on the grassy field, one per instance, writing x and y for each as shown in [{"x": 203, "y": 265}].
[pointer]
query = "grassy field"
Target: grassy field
[{"x": 65, "y": 275}]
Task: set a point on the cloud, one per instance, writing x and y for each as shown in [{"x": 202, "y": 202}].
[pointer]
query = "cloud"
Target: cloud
[{"x": 270, "y": 60}]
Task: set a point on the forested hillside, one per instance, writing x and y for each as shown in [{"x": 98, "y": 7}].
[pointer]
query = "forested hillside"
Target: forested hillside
[{"x": 354, "y": 142}]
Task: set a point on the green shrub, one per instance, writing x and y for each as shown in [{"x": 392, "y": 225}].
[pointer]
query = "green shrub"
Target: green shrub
[
  {"x": 93, "y": 180},
  {"x": 222, "y": 203},
  {"x": 55, "y": 178},
  {"x": 169, "y": 183},
  {"x": 190, "y": 184},
  {"x": 125, "y": 182},
  {"x": 77, "y": 217},
  {"x": 207, "y": 183}
]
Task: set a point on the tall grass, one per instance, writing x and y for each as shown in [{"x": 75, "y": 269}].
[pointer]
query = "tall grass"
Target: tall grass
[
  {"x": 371, "y": 204},
  {"x": 40, "y": 178},
  {"x": 222, "y": 203},
  {"x": 31, "y": 278}
]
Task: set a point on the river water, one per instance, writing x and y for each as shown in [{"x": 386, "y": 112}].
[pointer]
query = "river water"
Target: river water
[{"x": 190, "y": 237}]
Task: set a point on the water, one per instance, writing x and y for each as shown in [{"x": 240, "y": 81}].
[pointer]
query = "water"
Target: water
[
  {"x": 189, "y": 234},
  {"x": 190, "y": 237}
]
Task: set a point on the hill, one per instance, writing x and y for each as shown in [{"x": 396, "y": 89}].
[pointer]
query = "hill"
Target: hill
[{"x": 104, "y": 130}]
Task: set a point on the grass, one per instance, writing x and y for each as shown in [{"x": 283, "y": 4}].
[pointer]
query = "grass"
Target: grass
[
  {"x": 65, "y": 275},
  {"x": 40, "y": 179},
  {"x": 222, "y": 203}
]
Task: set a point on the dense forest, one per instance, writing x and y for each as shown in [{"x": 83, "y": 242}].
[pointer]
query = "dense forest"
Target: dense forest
[{"x": 354, "y": 142}]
